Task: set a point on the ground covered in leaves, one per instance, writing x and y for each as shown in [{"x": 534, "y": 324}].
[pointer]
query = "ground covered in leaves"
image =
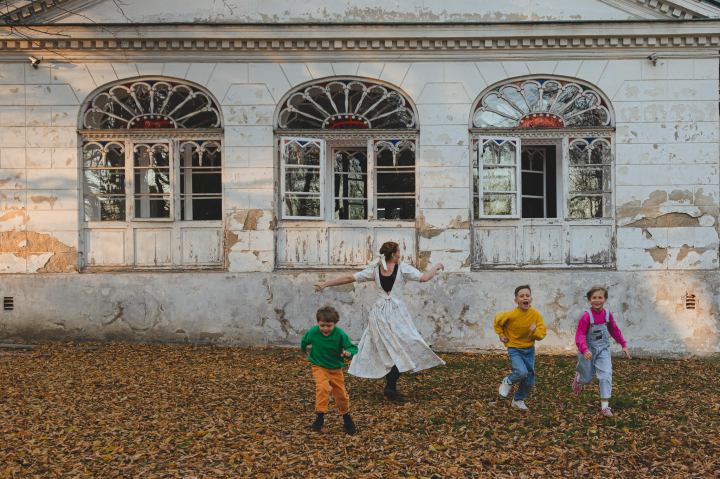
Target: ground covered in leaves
[{"x": 119, "y": 410}]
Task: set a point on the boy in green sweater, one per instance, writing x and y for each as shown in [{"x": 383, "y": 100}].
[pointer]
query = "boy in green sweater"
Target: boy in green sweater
[{"x": 330, "y": 345}]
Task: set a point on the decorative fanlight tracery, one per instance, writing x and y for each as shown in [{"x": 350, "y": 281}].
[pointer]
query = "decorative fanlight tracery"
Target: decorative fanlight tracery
[
  {"x": 541, "y": 103},
  {"x": 151, "y": 104},
  {"x": 346, "y": 104}
]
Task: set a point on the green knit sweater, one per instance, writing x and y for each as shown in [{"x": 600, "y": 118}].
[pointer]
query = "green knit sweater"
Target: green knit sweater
[{"x": 326, "y": 351}]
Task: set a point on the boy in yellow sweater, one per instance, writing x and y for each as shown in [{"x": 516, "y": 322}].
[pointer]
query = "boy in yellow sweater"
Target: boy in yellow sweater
[{"x": 518, "y": 329}]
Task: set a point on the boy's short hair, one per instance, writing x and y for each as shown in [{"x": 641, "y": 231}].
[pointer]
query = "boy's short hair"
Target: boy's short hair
[
  {"x": 594, "y": 290},
  {"x": 521, "y": 287},
  {"x": 327, "y": 314}
]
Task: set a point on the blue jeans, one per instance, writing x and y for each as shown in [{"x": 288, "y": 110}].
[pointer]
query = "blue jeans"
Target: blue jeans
[{"x": 523, "y": 370}]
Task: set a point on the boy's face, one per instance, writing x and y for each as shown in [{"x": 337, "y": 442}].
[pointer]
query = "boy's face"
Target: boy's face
[
  {"x": 326, "y": 327},
  {"x": 523, "y": 299},
  {"x": 597, "y": 300}
]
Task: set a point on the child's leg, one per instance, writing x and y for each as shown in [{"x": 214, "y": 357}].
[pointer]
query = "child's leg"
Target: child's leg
[
  {"x": 603, "y": 370},
  {"x": 584, "y": 369},
  {"x": 527, "y": 384},
  {"x": 322, "y": 388},
  {"x": 519, "y": 369},
  {"x": 337, "y": 383}
]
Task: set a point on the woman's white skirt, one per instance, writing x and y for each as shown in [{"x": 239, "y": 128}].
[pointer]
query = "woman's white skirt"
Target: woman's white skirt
[{"x": 391, "y": 339}]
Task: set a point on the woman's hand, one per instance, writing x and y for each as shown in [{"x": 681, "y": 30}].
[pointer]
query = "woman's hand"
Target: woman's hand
[
  {"x": 439, "y": 267},
  {"x": 319, "y": 286},
  {"x": 626, "y": 353},
  {"x": 587, "y": 355}
]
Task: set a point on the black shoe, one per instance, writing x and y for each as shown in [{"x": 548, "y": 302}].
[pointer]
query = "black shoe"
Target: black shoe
[
  {"x": 319, "y": 421},
  {"x": 392, "y": 395},
  {"x": 348, "y": 424}
]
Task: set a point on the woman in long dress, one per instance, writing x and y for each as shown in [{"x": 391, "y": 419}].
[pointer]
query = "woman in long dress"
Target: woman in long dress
[{"x": 391, "y": 344}]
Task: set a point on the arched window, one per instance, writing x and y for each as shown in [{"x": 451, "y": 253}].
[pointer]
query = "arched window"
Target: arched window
[
  {"x": 347, "y": 157},
  {"x": 364, "y": 127},
  {"x": 151, "y": 159},
  {"x": 543, "y": 150}
]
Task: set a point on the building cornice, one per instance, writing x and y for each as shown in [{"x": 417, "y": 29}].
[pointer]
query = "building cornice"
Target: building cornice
[{"x": 353, "y": 42}]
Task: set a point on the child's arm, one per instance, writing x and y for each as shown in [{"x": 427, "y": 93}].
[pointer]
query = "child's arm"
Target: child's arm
[
  {"x": 349, "y": 349},
  {"x": 539, "y": 331},
  {"x": 499, "y": 324},
  {"x": 614, "y": 331},
  {"x": 581, "y": 335},
  {"x": 304, "y": 342}
]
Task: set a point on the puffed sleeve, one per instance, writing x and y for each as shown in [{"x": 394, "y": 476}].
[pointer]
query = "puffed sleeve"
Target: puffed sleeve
[
  {"x": 368, "y": 274},
  {"x": 409, "y": 272}
]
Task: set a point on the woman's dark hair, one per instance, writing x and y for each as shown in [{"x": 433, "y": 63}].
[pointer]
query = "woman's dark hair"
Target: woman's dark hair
[{"x": 388, "y": 249}]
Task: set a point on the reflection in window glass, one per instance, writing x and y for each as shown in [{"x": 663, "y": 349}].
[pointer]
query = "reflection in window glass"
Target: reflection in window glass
[
  {"x": 104, "y": 181},
  {"x": 151, "y": 176},
  {"x": 350, "y": 183},
  {"x": 200, "y": 181},
  {"x": 395, "y": 179},
  {"x": 589, "y": 178}
]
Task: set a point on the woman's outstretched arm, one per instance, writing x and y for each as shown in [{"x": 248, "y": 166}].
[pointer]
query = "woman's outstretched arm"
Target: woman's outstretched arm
[
  {"x": 428, "y": 275},
  {"x": 344, "y": 279}
]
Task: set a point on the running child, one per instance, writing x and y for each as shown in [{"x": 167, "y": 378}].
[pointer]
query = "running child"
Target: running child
[
  {"x": 592, "y": 338},
  {"x": 518, "y": 329},
  {"x": 329, "y": 347}
]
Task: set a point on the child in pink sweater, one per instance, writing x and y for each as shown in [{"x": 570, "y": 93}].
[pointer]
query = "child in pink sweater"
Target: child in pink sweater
[{"x": 592, "y": 338}]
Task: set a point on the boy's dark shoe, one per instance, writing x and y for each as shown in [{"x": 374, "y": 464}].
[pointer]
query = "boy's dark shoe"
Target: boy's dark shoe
[
  {"x": 348, "y": 424},
  {"x": 319, "y": 421}
]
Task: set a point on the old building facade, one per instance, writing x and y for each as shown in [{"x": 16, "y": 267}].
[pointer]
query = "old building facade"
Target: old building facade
[{"x": 188, "y": 175}]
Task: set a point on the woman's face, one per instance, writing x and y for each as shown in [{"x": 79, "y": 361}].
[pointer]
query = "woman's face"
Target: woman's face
[{"x": 396, "y": 256}]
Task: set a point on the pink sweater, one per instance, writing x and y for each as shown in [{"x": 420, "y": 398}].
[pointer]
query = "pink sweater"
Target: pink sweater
[{"x": 598, "y": 318}]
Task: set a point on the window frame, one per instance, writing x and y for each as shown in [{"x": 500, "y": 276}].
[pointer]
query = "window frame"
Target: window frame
[
  {"x": 476, "y": 142},
  {"x": 129, "y": 140},
  {"x": 337, "y": 140}
]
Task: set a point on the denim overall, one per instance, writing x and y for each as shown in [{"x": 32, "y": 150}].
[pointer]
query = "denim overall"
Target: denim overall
[{"x": 598, "y": 342}]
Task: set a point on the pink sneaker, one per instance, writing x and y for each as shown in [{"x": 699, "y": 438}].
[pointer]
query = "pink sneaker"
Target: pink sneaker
[
  {"x": 576, "y": 386},
  {"x": 606, "y": 412}
]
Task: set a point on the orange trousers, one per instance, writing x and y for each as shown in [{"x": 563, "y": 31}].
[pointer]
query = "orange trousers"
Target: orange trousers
[{"x": 330, "y": 381}]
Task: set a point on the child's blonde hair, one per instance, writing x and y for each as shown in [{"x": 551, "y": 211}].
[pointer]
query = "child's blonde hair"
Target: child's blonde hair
[{"x": 594, "y": 290}]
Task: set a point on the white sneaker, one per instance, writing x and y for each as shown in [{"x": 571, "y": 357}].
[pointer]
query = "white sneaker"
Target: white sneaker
[
  {"x": 505, "y": 387},
  {"x": 519, "y": 405}
]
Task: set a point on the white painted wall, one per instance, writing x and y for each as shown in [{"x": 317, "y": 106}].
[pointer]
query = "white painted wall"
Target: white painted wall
[{"x": 370, "y": 11}]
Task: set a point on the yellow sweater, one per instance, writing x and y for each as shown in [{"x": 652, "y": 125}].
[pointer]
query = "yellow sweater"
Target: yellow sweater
[{"x": 515, "y": 324}]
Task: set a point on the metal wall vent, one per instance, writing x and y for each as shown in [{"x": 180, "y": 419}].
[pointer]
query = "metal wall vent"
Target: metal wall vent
[
  {"x": 8, "y": 303},
  {"x": 690, "y": 301}
]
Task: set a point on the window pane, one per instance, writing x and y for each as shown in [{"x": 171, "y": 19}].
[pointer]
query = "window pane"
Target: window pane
[
  {"x": 152, "y": 156},
  {"x": 104, "y": 209},
  {"x": 396, "y": 208},
  {"x": 585, "y": 207},
  {"x": 104, "y": 182},
  {"x": 495, "y": 154},
  {"x": 152, "y": 180},
  {"x": 499, "y": 204},
  {"x": 395, "y": 182},
  {"x": 205, "y": 209},
  {"x": 532, "y": 184},
  {"x": 498, "y": 179},
  {"x": 302, "y": 153},
  {"x": 589, "y": 179},
  {"x": 384, "y": 157},
  {"x": 600, "y": 154},
  {"x": 350, "y": 209},
  {"x": 533, "y": 208},
  {"x": 151, "y": 207},
  {"x": 350, "y": 162},
  {"x": 296, "y": 205},
  {"x": 306, "y": 180}
]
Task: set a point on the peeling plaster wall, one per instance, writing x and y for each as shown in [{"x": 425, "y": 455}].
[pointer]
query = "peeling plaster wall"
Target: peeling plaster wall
[
  {"x": 373, "y": 11},
  {"x": 666, "y": 172},
  {"x": 454, "y": 312}
]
